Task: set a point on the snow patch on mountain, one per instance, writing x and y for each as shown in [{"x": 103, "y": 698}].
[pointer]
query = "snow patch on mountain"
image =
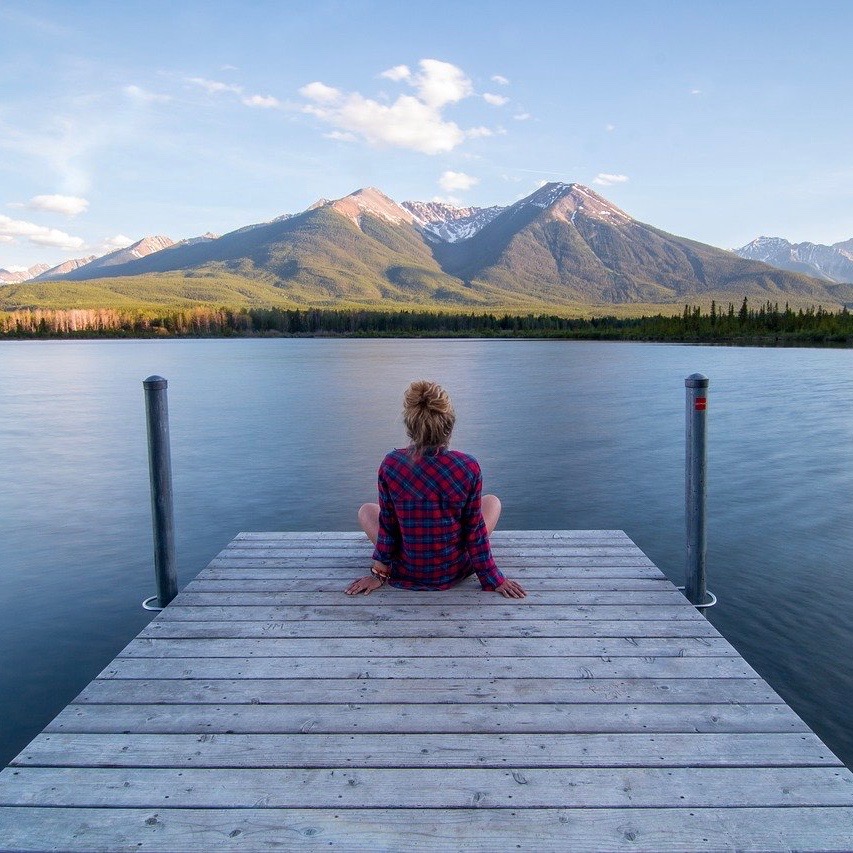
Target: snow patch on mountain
[{"x": 450, "y": 223}]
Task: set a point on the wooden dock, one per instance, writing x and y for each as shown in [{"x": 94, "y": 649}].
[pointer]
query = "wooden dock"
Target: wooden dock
[{"x": 266, "y": 709}]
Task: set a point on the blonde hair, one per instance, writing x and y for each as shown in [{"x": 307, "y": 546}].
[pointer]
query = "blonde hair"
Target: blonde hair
[{"x": 428, "y": 415}]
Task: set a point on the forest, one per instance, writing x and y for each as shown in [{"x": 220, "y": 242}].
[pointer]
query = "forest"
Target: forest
[{"x": 765, "y": 325}]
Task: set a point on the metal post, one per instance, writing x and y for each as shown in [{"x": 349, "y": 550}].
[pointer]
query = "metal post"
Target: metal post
[
  {"x": 160, "y": 465},
  {"x": 695, "y": 487}
]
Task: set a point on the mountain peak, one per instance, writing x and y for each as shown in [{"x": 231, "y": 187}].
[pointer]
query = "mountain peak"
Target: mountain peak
[
  {"x": 564, "y": 201},
  {"x": 371, "y": 201}
]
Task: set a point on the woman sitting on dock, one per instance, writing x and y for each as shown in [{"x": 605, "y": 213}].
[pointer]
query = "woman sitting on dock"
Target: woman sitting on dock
[{"x": 431, "y": 526}]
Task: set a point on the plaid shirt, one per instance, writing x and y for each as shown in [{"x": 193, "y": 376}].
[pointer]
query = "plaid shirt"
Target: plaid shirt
[{"x": 431, "y": 528}]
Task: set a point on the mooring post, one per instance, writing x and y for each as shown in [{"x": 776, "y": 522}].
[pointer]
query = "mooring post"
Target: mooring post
[
  {"x": 160, "y": 466},
  {"x": 696, "y": 464}
]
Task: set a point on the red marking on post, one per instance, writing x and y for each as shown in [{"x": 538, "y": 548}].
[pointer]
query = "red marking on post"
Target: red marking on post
[{"x": 701, "y": 404}]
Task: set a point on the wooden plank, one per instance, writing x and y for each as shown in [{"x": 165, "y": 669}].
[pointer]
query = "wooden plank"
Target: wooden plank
[
  {"x": 373, "y": 607},
  {"x": 460, "y": 595},
  {"x": 413, "y": 667},
  {"x": 498, "y": 535},
  {"x": 522, "y": 566},
  {"x": 433, "y": 718},
  {"x": 296, "y": 582},
  {"x": 363, "y": 690},
  {"x": 429, "y": 647},
  {"x": 313, "y": 570},
  {"x": 520, "y": 788},
  {"x": 510, "y": 550},
  {"x": 472, "y": 829},
  {"x": 444, "y": 628},
  {"x": 427, "y": 750}
]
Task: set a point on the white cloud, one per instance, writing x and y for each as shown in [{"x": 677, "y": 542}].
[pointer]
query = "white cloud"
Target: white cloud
[
  {"x": 38, "y": 234},
  {"x": 605, "y": 180},
  {"x": 5, "y": 238},
  {"x": 111, "y": 244},
  {"x": 137, "y": 93},
  {"x": 67, "y": 205},
  {"x": 229, "y": 68},
  {"x": 695, "y": 91},
  {"x": 495, "y": 100},
  {"x": 214, "y": 87},
  {"x": 441, "y": 83},
  {"x": 456, "y": 181},
  {"x": 413, "y": 122},
  {"x": 479, "y": 132},
  {"x": 340, "y": 136},
  {"x": 610, "y": 127},
  {"x": 397, "y": 73},
  {"x": 500, "y": 80},
  {"x": 321, "y": 93},
  {"x": 265, "y": 102},
  {"x": 522, "y": 116}
]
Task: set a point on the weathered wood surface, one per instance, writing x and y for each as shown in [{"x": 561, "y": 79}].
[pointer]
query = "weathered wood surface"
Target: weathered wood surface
[{"x": 266, "y": 709}]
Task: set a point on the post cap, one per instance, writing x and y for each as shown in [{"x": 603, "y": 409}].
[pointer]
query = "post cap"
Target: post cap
[
  {"x": 155, "y": 382},
  {"x": 696, "y": 380}
]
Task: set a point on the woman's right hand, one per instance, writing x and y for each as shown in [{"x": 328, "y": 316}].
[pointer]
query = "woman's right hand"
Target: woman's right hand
[
  {"x": 511, "y": 589},
  {"x": 366, "y": 585}
]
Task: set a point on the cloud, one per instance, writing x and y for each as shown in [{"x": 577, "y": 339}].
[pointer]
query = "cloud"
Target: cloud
[
  {"x": 214, "y": 87},
  {"x": 321, "y": 93},
  {"x": 397, "y": 73},
  {"x": 495, "y": 100},
  {"x": 456, "y": 181},
  {"x": 414, "y": 122},
  {"x": 441, "y": 83},
  {"x": 340, "y": 136},
  {"x": 610, "y": 127},
  {"x": 695, "y": 91},
  {"x": 5, "y": 238},
  {"x": 112, "y": 244},
  {"x": 38, "y": 234},
  {"x": 137, "y": 93},
  {"x": 67, "y": 205},
  {"x": 265, "y": 102},
  {"x": 605, "y": 180},
  {"x": 500, "y": 80},
  {"x": 522, "y": 116},
  {"x": 479, "y": 132}
]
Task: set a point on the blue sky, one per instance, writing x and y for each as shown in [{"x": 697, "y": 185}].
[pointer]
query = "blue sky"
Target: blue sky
[{"x": 719, "y": 121}]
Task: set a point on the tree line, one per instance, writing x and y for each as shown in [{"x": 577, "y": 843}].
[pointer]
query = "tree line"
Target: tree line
[{"x": 767, "y": 324}]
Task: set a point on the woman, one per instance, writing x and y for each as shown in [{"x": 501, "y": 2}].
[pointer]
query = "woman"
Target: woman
[{"x": 431, "y": 526}]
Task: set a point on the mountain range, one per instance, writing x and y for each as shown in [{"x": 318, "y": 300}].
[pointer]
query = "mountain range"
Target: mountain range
[
  {"x": 832, "y": 263},
  {"x": 564, "y": 245}
]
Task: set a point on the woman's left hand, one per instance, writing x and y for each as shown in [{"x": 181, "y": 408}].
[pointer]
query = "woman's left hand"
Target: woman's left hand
[{"x": 366, "y": 585}]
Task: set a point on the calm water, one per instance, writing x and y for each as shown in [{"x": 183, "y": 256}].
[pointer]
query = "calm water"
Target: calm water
[{"x": 287, "y": 434}]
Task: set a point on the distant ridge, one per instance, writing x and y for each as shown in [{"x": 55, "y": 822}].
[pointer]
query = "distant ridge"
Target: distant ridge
[
  {"x": 832, "y": 263},
  {"x": 563, "y": 245}
]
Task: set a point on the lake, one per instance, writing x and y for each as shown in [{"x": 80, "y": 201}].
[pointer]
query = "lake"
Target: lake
[{"x": 281, "y": 434}]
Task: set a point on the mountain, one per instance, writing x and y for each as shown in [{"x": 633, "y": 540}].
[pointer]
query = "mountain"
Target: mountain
[
  {"x": 61, "y": 270},
  {"x": 832, "y": 263},
  {"x": 564, "y": 245},
  {"x": 136, "y": 251},
  {"x": 449, "y": 223},
  {"x": 17, "y": 276}
]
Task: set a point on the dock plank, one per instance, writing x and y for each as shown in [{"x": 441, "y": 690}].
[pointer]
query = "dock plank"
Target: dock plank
[{"x": 264, "y": 708}]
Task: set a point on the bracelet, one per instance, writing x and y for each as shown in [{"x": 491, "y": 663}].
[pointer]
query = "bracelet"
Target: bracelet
[{"x": 378, "y": 576}]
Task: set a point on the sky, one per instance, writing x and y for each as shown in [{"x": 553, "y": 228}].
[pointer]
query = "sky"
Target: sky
[{"x": 719, "y": 121}]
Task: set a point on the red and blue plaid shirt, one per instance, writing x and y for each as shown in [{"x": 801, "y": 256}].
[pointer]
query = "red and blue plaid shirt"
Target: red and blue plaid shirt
[{"x": 431, "y": 528}]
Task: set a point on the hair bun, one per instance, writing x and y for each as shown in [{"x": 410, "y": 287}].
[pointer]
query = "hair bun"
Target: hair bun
[{"x": 428, "y": 413}]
